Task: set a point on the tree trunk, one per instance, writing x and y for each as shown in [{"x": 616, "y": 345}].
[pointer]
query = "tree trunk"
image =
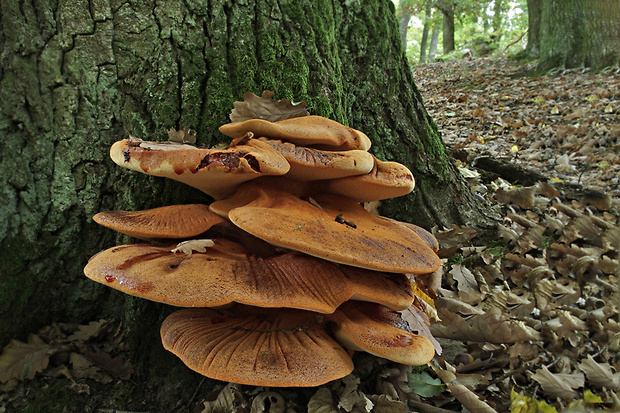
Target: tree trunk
[
  {"x": 425, "y": 30},
  {"x": 533, "y": 28},
  {"x": 75, "y": 75},
  {"x": 448, "y": 26},
  {"x": 498, "y": 14},
  {"x": 404, "y": 16},
  {"x": 579, "y": 33},
  {"x": 432, "y": 50}
]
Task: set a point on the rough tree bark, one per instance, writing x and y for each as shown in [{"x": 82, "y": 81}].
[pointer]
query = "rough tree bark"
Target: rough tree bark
[
  {"x": 447, "y": 9},
  {"x": 75, "y": 75},
  {"x": 579, "y": 33},
  {"x": 533, "y": 28}
]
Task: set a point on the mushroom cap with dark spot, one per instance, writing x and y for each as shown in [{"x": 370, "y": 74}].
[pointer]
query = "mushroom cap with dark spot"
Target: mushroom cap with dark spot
[
  {"x": 217, "y": 172},
  {"x": 311, "y": 226},
  {"x": 225, "y": 273}
]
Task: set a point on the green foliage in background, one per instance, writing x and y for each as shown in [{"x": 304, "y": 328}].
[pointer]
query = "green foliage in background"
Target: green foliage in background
[{"x": 473, "y": 27}]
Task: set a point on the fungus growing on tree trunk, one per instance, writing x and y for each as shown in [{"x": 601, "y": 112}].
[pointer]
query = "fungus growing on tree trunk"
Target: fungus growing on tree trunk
[{"x": 289, "y": 191}]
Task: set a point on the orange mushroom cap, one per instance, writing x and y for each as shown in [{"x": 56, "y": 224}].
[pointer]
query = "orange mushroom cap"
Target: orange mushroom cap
[
  {"x": 174, "y": 221},
  {"x": 331, "y": 227},
  {"x": 217, "y": 172},
  {"x": 385, "y": 180},
  {"x": 426, "y": 236},
  {"x": 309, "y": 164},
  {"x": 256, "y": 347},
  {"x": 379, "y": 331},
  {"x": 312, "y": 131},
  {"x": 226, "y": 273}
]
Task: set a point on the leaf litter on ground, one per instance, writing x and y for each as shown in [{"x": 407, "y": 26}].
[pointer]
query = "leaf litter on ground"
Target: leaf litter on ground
[{"x": 538, "y": 307}]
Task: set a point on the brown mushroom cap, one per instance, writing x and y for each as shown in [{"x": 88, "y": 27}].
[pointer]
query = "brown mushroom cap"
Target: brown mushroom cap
[
  {"x": 174, "y": 221},
  {"x": 331, "y": 227},
  {"x": 216, "y": 172},
  {"x": 309, "y": 164},
  {"x": 257, "y": 347},
  {"x": 226, "y": 273},
  {"x": 426, "y": 236},
  {"x": 379, "y": 331},
  {"x": 386, "y": 180},
  {"x": 313, "y": 131}
]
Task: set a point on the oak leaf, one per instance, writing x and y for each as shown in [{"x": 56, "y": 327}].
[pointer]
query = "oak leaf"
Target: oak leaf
[
  {"x": 559, "y": 385},
  {"x": 266, "y": 108},
  {"x": 24, "y": 360},
  {"x": 115, "y": 367},
  {"x": 186, "y": 135},
  {"x": 600, "y": 374},
  {"x": 493, "y": 327},
  {"x": 198, "y": 245}
]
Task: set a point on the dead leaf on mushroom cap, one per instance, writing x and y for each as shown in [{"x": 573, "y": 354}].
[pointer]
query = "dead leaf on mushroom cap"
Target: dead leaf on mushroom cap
[
  {"x": 266, "y": 108},
  {"x": 312, "y": 131},
  {"x": 386, "y": 180},
  {"x": 226, "y": 273},
  {"x": 174, "y": 221},
  {"x": 217, "y": 172},
  {"x": 257, "y": 347},
  {"x": 380, "y": 331},
  {"x": 358, "y": 238}
]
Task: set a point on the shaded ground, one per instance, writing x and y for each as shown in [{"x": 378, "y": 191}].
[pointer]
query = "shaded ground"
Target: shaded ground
[{"x": 535, "y": 312}]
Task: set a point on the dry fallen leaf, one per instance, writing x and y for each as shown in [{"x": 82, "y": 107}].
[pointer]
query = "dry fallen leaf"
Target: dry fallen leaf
[
  {"x": 198, "y": 245},
  {"x": 182, "y": 136},
  {"x": 351, "y": 397},
  {"x": 321, "y": 402},
  {"x": 115, "y": 367},
  {"x": 600, "y": 374},
  {"x": 266, "y": 108},
  {"x": 465, "y": 279},
  {"x": 493, "y": 326},
  {"x": 559, "y": 385},
  {"x": 268, "y": 402},
  {"x": 229, "y": 399},
  {"x": 92, "y": 330},
  {"x": 23, "y": 361}
]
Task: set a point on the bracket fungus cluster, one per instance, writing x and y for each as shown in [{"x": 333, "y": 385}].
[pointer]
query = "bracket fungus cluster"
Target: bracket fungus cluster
[{"x": 285, "y": 273}]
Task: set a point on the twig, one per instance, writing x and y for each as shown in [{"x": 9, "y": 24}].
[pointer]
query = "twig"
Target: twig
[
  {"x": 518, "y": 39},
  {"x": 524, "y": 367},
  {"x": 427, "y": 408},
  {"x": 195, "y": 392}
]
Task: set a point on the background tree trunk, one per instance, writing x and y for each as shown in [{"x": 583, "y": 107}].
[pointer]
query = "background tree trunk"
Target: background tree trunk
[
  {"x": 432, "y": 49},
  {"x": 75, "y": 75},
  {"x": 533, "y": 28},
  {"x": 425, "y": 30},
  {"x": 404, "y": 16},
  {"x": 579, "y": 33},
  {"x": 447, "y": 8},
  {"x": 498, "y": 15}
]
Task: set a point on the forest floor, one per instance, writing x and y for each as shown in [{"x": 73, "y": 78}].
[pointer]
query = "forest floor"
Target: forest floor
[{"x": 527, "y": 322}]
